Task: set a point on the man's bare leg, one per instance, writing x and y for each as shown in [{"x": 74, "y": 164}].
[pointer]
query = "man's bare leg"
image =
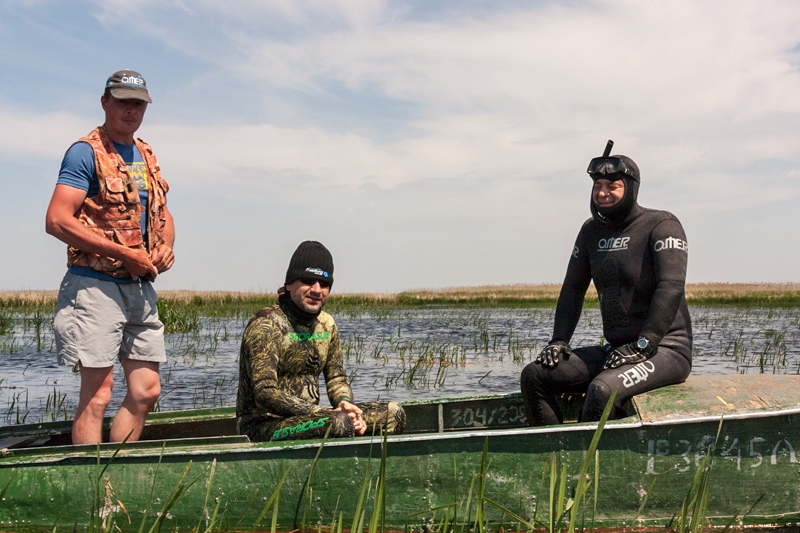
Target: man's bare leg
[
  {"x": 95, "y": 395},
  {"x": 144, "y": 386}
]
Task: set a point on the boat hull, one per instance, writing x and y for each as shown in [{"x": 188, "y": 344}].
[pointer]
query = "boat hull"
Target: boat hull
[{"x": 646, "y": 469}]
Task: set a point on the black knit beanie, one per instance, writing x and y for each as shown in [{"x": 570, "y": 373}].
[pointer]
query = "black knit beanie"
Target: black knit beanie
[{"x": 310, "y": 260}]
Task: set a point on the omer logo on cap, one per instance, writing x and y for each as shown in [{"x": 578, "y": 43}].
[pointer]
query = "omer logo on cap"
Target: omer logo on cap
[
  {"x": 128, "y": 84},
  {"x": 129, "y": 80}
]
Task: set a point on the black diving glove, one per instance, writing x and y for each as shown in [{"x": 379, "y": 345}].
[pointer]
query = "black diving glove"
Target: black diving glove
[
  {"x": 629, "y": 354},
  {"x": 551, "y": 353}
]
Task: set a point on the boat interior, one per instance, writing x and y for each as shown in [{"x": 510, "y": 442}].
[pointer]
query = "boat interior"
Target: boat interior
[
  {"x": 699, "y": 396},
  {"x": 423, "y": 416}
]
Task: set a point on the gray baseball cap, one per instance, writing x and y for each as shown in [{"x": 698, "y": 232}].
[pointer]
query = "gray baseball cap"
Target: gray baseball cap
[{"x": 128, "y": 84}]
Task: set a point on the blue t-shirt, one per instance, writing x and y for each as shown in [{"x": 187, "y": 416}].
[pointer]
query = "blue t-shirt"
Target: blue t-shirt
[{"x": 78, "y": 170}]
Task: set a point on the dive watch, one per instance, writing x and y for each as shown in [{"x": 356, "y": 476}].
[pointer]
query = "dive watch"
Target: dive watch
[{"x": 644, "y": 346}]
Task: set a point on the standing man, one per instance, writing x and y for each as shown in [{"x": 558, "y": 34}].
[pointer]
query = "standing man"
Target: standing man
[
  {"x": 637, "y": 259},
  {"x": 284, "y": 350},
  {"x": 110, "y": 208}
]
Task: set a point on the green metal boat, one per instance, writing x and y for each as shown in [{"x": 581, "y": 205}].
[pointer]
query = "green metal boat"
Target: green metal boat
[{"x": 647, "y": 464}]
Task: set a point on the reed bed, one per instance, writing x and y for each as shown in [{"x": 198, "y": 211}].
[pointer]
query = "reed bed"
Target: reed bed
[{"x": 228, "y": 303}]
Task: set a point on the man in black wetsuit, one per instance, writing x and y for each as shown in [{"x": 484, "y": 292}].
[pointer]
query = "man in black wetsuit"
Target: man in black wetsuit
[{"x": 637, "y": 259}]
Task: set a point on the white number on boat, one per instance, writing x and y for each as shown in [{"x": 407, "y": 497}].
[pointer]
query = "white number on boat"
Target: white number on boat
[
  {"x": 483, "y": 417},
  {"x": 729, "y": 449}
]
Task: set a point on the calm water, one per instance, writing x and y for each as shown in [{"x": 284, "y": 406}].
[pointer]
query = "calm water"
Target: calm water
[{"x": 399, "y": 354}]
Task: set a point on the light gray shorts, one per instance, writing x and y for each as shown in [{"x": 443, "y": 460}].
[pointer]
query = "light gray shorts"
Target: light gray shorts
[{"x": 98, "y": 321}]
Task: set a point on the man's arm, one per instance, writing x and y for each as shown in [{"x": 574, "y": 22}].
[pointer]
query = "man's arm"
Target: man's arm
[
  {"x": 670, "y": 255},
  {"x": 62, "y": 223},
  {"x": 335, "y": 377},
  {"x": 573, "y": 290},
  {"x": 162, "y": 255},
  {"x": 340, "y": 393}
]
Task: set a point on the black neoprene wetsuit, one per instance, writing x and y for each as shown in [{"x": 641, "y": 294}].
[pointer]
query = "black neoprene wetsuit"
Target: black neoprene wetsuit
[{"x": 638, "y": 266}]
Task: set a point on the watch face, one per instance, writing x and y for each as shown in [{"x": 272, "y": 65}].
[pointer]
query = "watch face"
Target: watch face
[{"x": 642, "y": 344}]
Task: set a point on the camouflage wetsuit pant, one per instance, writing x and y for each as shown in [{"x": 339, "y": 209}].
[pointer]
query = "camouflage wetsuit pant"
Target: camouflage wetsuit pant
[{"x": 386, "y": 416}]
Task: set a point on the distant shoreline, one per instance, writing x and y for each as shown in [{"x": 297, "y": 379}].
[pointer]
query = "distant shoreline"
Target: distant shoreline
[{"x": 521, "y": 295}]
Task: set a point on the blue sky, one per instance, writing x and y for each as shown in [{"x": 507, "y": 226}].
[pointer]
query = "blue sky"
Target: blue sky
[{"x": 427, "y": 144}]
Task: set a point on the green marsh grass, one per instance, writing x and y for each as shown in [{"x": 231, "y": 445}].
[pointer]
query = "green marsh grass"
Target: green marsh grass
[
  {"x": 17, "y": 412},
  {"x": 57, "y": 406},
  {"x": 6, "y": 322},
  {"x": 178, "y": 318}
]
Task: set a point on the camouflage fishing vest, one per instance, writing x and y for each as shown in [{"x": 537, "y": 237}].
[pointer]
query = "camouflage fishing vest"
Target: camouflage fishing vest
[{"x": 115, "y": 212}]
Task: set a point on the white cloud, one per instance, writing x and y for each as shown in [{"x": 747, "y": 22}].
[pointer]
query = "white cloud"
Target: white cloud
[
  {"x": 368, "y": 119},
  {"x": 26, "y": 134}
]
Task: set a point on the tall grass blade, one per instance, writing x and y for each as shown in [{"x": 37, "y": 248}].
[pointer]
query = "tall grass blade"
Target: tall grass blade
[
  {"x": 582, "y": 486},
  {"x": 539, "y": 499},
  {"x": 468, "y": 508},
  {"x": 177, "y": 492},
  {"x": 551, "y": 517},
  {"x": 152, "y": 488},
  {"x": 307, "y": 486},
  {"x": 53, "y": 529},
  {"x": 213, "y": 521},
  {"x": 644, "y": 500},
  {"x": 3, "y": 492},
  {"x": 384, "y": 459},
  {"x": 379, "y": 505},
  {"x": 338, "y": 528},
  {"x": 695, "y": 504},
  {"x": 273, "y": 497},
  {"x": 563, "y": 505},
  {"x": 454, "y": 494},
  {"x": 437, "y": 508},
  {"x": 513, "y": 515},
  {"x": 274, "y": 525},
  {"x": 208, "y": 495},
  {"x": 596, "y": 485},
  {"x": 446, "y": 518},
  {"x": 479, "y": 515},
  {"x": 735, "y": 516},
  {"x": 246, "y": 507},
  {"x": 359, "y": 515},
  {"x": 95, "y": 524}
]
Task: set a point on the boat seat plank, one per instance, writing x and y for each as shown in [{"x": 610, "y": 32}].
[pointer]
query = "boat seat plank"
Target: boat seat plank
[
  {"x": 719, "y": 395},
  {"x": 16, "y": 441}
]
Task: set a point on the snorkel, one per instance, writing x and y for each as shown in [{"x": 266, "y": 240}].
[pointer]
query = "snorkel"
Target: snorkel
[
  {"x": 609, "y": 146},
  {"x": 613, "y": 168}
]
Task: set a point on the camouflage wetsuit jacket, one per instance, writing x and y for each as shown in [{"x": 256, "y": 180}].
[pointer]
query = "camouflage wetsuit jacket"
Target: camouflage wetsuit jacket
[{"x": 281, "y": 358}]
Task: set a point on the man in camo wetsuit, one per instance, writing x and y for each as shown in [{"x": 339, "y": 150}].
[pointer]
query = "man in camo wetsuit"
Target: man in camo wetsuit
[{"x": 285, "y": 348}]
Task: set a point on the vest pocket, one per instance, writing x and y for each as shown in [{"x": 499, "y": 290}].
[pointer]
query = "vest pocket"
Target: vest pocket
[
  {"x": 120, "y": 189},
  {"x": 129, "y": 236}
]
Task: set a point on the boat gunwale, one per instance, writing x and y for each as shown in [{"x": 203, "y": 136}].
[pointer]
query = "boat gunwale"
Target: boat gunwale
[
  {"x": 178, "y": 447},
  {"x": 55, "y": 427},
  {"x": 224, "y": 443}
]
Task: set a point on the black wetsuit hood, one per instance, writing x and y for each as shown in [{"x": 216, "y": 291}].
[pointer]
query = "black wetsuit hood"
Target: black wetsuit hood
[{"x": 620, "y": 212}]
